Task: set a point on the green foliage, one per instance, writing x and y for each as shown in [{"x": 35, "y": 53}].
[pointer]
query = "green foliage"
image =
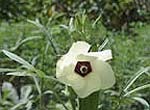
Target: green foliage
[
  {"x": 20, "y": 9},
  {"x": 12, "y": 9},
  {"x": 33, "y": 48},
  {"x": 119, "y": 13},
  {"x": 115, "y": 14}
]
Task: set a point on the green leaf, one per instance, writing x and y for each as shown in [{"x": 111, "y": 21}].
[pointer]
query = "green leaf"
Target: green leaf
[
  {"x": 103, "y": 45},
  {"x": 135, "y": 77},
  {"x": 36, "y": 23},
  {"x": 60, "y": 100},
  {"x": 72, "y": 97},
  {"x": 137, "y": 89},
  {"x": 25, "y": 92},
  {"x": 15, "y": 107},
  {"x": 24, "y": 41},
  {"x": 7, "y": 70},
  {"x": 18, "y": 59},
  {"x": 97, "y": 19},
  {"x": 143, "y": 102},
  {"x": 47, "y": 34},
  {"x": 19, "y": 73},
  {"x": 37, "y": 85}
]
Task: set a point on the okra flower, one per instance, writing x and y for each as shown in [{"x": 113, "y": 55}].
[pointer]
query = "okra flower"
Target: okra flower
[{"x": 86, "y": 72}]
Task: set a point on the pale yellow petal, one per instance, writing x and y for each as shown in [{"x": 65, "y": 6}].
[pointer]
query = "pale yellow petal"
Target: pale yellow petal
[
  {"x": 92, "y": 84},
  {"x": 69, "y": 77},
  {"x": 79, "y": 47},
  {"x": 102, "y": 55},
  {"x": 92, "y": 80},
  {"x": 101, "y": 77},
  {"x": 105, "y": 73}
]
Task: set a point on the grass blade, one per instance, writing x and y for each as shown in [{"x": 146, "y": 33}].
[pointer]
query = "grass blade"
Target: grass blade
[
  {"x": 143, "y": 102},
  {"x": 19, "y": 73},
  {"x": 135, "y": 77},
  {"x": 103, "y": 45},
  {"x": 137, "y": 89},
  {"x": 37, "y": 85},
  {"x": 24, "y": 41},
  {"x": 18, "y": 59},
  {"x": 7, "y": 70}
]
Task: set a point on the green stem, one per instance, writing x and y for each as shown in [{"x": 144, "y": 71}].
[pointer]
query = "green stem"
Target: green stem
[
  {"x": 72, "y": 97},
  {"x": 90, "y": 102}
]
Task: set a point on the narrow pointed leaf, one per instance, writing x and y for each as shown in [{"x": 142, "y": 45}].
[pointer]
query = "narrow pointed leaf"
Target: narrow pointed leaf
[{"x": 18, "y": 59}]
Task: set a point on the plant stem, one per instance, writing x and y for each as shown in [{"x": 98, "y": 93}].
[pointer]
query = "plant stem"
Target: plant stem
[
  {"x": 90, "y": 102},
  {"x": 72, "y": 97}
]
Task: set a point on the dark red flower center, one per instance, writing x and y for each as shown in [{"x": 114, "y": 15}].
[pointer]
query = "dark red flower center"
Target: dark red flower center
[{"x": 83, "y": 68}]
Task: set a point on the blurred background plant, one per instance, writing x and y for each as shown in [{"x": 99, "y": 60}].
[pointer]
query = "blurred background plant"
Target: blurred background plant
[
  {"x": 116, "y": 14},
  {"x": 36, "y": 33}
]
